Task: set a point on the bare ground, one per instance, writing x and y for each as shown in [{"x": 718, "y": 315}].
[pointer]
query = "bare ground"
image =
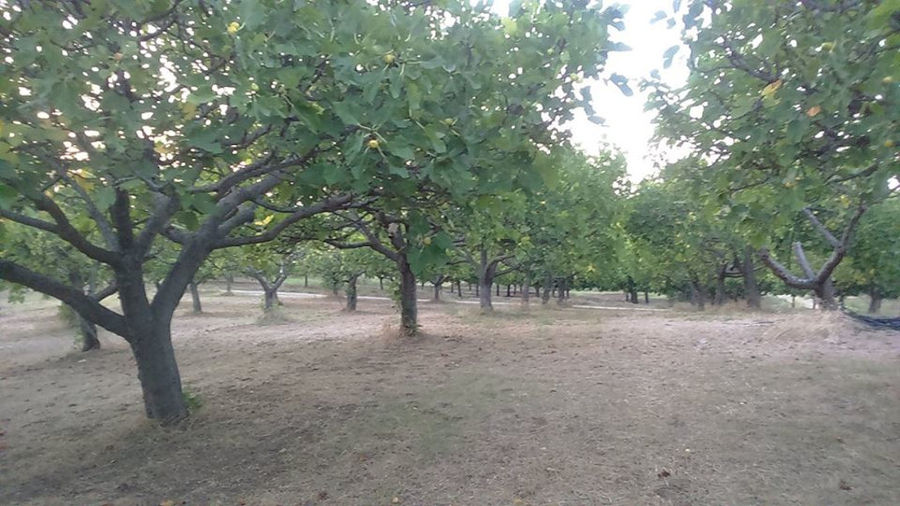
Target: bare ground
[{"x": 545, "y": 406}]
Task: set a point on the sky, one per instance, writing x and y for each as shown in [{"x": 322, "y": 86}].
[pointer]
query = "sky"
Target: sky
[{"x": 628, "y": 126}]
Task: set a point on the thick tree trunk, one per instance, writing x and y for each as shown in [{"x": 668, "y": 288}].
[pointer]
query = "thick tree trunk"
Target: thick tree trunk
[
  {"x": 195, "y": 297},
  {"x": 88, "y": 330},
  {"x": 751, "y": 288},
  {"x": 875, "y": 299},
  {"x": 351, "y": 293},
  {"x": 484, "y": 299},
  {"x": 158, "y": 372},
  {"x": 408, "y": 310},
  {"x": 825, "y": 293},
  {"x": 547, "y": 291}
]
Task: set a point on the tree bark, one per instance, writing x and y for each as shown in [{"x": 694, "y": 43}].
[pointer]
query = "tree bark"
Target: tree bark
[
  {"x": 408, "y": 309},
  {"x": 698, "y": 295},
  {"x": 381, "y": 283},
  {"x": 561, "y": 291},
  {"x": 526, "y": 289},
  {"x": 751, "y": 288},
  {"x": 351, "y": 292},
  {"x": 229, "y": 280},
  {"x": 89, "y": 340},
  {"x": 547, "y": 291},
  {"x": 158, "y": 373},
  {"x": 459, "y": 289},
  {"x": 269, "y": 298},
  {"x": 646, "y": 297},
  {"x": 632, "y": 291},
  {"x": 195, "y": 297},
  {"x": 875, "y": 299},
  {"x": 719, "y": 297},
  {"x": 498, "y": 289},
  {"x": 306, "y": 281},
  {"x": 437, "y": 283}
]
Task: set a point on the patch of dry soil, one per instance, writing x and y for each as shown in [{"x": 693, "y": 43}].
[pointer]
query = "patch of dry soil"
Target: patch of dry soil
[{"x": 560, "y": 406}]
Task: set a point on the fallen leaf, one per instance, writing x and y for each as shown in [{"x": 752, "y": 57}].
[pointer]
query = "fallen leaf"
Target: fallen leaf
[{"x": 813, "y": 111}]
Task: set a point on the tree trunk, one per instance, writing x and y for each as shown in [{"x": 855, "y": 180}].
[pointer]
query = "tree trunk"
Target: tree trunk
[
  {"x": 476, "y": 289},
  {"x": 459, "y": 289},
  {"x": 548, "y": 282},
  {"x": 561, "y": 291},
  {"x": 484, "y": 298},
  {"x": 381, "y": 283},
  {"x": 195, "y": 297},
  {"x": 508, "y": 291},
  {"x": 646, "y": 297},
  {"x": 875, "y": 299},
  {"x": 719, "y": 297},
  {"x": 498, "y": 290},
  {"x": 229, "y": 280},
  {"x": 351, "y": 293},
  {"x": 526, "y": 289},
  {"x": 88, "y": 330},
  {"x": 270, "y": 298},
  {"x": 306, "y": 281},
  {"x": 632, "y": 291},
  {"x": 825, "y": 293},
  {"x": 751, "y": 288},
  {"x": 698, "y": 295},
  {"x": 158, "y": 372},
  {"x": 408, "y": 310}
]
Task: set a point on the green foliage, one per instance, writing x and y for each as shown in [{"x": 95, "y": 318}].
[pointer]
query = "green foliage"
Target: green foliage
[{"x": 794, "y": 104}]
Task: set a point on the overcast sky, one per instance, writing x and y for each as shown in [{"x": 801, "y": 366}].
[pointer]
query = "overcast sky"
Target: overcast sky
[{"x": 627, "y": 125}]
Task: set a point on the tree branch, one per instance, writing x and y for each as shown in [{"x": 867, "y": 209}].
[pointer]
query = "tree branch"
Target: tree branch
[{"x": 88, "y": 307}]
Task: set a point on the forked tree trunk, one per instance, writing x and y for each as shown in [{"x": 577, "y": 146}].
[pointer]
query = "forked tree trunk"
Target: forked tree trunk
[
  {"x": 751, "y": 288},
  {"x": 88, "y": 329},
  {"x": 195, "y": 297},
  {"x": 351, "y": 292},
  {"x": 409, "y": 325}
]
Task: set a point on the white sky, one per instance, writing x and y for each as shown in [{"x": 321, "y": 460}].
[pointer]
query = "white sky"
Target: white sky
[{"x": 627, "y": 125}]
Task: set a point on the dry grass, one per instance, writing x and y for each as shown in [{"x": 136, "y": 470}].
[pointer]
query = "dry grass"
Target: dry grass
[{"x": 536, "y": 406}]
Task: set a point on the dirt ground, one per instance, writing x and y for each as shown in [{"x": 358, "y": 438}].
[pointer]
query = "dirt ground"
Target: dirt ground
[{"x": 545, "y": 406}]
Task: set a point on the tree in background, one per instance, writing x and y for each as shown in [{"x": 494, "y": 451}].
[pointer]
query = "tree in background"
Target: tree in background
[{"x": 792, "y": 104}]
